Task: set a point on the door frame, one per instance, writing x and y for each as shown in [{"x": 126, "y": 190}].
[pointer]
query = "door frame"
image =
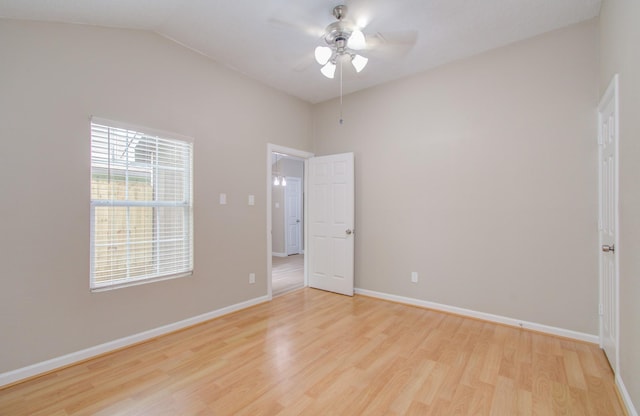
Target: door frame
[
  {"x": 611, "y": 94},
  {"x": 301, "y": 154},
  {"x": 286, "y": 211}
]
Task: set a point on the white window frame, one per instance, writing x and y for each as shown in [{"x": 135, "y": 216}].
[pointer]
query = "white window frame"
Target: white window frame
[{"x": 98, "y": 165}]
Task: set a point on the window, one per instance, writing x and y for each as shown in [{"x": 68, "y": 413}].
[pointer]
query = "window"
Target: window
[{"x": 141, "y": 205}]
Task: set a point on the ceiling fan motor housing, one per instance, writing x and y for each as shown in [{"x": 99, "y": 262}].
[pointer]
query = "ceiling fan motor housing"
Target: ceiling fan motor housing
[{"x": 338, "y": 33}]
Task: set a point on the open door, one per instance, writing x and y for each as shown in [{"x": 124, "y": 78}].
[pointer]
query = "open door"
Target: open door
[
  {"x": 331, "y": 223},
  {"x": 608, "y": 222}
]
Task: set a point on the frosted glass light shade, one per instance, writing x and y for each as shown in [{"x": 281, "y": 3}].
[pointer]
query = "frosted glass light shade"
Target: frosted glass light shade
[
  {"x": 276, "y": 181},
  {"x": 357, "y": 40},
  {"x": 323, "y": 54},
  {"x": 328, "y": 70},
  {"x": 284, "y": 181},
  {"x": 359, "y": 62}
]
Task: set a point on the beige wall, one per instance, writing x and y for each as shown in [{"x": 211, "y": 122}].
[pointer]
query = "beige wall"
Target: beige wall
[
  {"x": 619, "y": 36},
  {"x": 288, "y": 167},
  {"x": 481, "y": 176},
  {"x": 52, "y": 78}
]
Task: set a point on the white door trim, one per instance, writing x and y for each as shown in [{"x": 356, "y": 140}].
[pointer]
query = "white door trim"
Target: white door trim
[
  {"x": 303, "y": 155},
  {"x": 610, "y": 94}
]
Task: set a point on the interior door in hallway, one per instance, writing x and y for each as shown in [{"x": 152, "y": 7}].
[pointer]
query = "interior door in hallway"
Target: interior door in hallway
[
  {"x": 608, "y": 221},
  {"x": 293, "y": 215},
  {"x": 331, "y": 220}
]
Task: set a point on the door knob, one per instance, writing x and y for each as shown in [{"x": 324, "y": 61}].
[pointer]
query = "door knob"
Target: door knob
[
  {"x": 297, "y": 220},
  {"x": 348, "y": 232},
  {"x": 607, "y": 248}
]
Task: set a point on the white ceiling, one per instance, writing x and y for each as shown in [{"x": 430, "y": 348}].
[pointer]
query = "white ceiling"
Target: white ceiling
[{"x": 273, "y": 40}]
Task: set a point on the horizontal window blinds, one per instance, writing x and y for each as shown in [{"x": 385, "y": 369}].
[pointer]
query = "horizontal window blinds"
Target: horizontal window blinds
[{"x": 141, "y": 205}]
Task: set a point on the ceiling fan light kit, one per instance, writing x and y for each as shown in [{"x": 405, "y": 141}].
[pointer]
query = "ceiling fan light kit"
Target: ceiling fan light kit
[
  {"x": 328, "y": 70},
  {"x": 343, "y": 39},
  {"x": 359, "y": 62},
  {"x": 357, "y": 40},
  {"x": 323, "y": 54}
]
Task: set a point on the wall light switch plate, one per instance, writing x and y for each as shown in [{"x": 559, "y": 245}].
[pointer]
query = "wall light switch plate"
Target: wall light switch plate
[
  {"x": 414, "y": 277},
  {"x": 252, "y": 200},
  {"x": 252, "y": 278},
  {"x": 223, "y": 199},
  {"x": 277, "y": 205}
]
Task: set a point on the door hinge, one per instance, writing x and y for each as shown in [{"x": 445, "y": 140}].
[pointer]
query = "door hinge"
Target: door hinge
[{"x": 600, "y": 309}]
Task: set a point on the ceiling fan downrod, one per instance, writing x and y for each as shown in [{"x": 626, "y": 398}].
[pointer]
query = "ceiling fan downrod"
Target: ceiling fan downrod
[{"x": 340, "y": 11}]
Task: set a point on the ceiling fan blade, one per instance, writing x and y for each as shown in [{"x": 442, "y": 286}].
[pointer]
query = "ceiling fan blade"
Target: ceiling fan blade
[
  {"x": 404, "y": 38},
  {"x": 301, "y": 28},
  {"x": 296, "y": 63},
  {"x": 303, "y": 63},
  {"x": 391, "y": 44}
]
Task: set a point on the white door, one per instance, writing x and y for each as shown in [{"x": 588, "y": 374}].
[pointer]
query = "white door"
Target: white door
[
  {"x": 608, "y": 224},
  {"x": 293, "y": 215},
  {"x": 331, "y": 223}
]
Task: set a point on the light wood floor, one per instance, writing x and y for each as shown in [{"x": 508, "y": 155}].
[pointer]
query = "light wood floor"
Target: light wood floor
[
  {"x": 287, "y": 274},
  {"x": 316, "y": 353}
]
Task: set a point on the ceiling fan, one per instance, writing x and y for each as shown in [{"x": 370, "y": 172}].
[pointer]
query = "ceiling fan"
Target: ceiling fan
[{"x": 343, "y": 38}]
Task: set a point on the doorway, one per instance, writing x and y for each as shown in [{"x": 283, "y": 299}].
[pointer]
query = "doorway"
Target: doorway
[
  {"x": 286, "y": 264},
  {"x": 329, "y": 213}
]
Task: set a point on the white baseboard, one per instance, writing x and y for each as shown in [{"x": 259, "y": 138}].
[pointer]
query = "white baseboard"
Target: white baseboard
[
  {"x": 626, "y": 399},
  {"x": 46, "y": 366},
  {"x": 274, "y": 254},
  {"x": 567, "y": 333}
]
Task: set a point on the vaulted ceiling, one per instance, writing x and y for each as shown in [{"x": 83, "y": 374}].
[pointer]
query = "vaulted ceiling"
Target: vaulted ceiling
[{"x": 273, "y": 41}]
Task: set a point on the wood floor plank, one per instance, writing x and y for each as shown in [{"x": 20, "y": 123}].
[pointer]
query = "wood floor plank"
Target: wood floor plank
[
  {"x": 405, "y": 398},
  {"x": 312, "y": 352},
  {"x": 573, "y": 369},
  {"x": 430, "y": 390},
  {"x": 525, "y": 406},
  {"x": 481, "y": 401},
  {"x": 505, "y": 398}
]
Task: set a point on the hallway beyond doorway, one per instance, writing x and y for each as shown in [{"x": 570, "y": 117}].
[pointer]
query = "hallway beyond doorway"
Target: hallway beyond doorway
[{"x": 287, "y": 273}]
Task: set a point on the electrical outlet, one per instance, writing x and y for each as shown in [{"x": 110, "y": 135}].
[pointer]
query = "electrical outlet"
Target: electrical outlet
[
  {"x": 414, "y": 277},
  {"x": 252, "y": 278},
  {"x": 252, "y": 200}
]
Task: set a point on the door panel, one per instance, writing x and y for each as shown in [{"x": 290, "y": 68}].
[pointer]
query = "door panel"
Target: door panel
[
  {"x": 331, "y": 223},
  {"x": 608, "y": 225},
  {"x": 293, "y": 215}
]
